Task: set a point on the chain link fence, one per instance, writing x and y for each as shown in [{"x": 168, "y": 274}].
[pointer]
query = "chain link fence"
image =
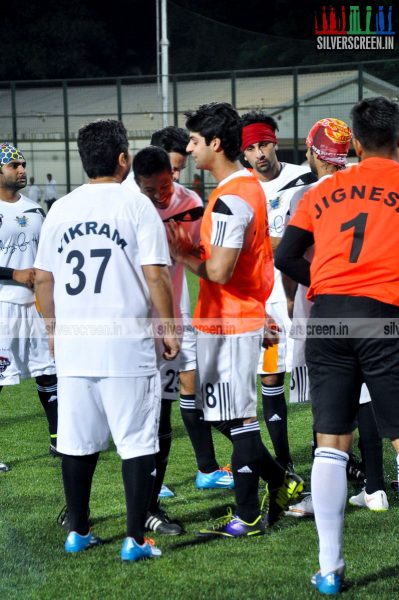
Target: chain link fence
[{"x": 43, "y": 117}]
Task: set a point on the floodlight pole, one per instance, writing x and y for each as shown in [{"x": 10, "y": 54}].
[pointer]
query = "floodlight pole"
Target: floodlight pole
[{"x": 164, "y": 63}]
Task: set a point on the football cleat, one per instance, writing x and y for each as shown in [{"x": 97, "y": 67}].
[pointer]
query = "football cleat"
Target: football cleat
[
  {"x": 165, "y": 492},
  {"x": 4, "y": 468},
  {"x": 394, "y": 485},
  {"x": 280, "y": 498},
  {"x": 161, "y": 523},
  {"x": 354, "y": 469},
  {"x": 54, "y": 452},
  {"x": 231, "y": 526},
  {"x": 76, "y": 542},
  {"x": 377, "y": 502},
  {"x": 331, "y": 584},
  {"x": 302, "y": 509},
  {"x": 220, "y": 479},
  {"x": 132, "y": 551},
  {"x": 63, "y": 517}
]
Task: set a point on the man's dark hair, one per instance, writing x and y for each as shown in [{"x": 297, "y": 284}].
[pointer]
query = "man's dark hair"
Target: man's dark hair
[
  {"x": 254, "y": 116},
  {"x": 217, "y": 120},
  {"x": 151, "y": 161},
  {"x": 376, "y": 123},
  {"x": 171, "y": 139},
  {"x": 100, "y": 143}
]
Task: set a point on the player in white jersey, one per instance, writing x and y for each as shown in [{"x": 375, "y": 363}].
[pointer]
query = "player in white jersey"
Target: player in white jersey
[
  {"x": 23, "y": 352},
  {"x": 153, "y": 173},
  {"x": 259, "y": 146},
  {"x": 102, "y": 262}
]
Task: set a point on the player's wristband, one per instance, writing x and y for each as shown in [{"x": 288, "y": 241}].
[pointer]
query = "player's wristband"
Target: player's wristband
[{"x": 6, "y": 273}]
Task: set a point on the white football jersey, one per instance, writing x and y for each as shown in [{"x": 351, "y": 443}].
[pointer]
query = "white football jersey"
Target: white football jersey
[
  {"x": 130, "y": 183},
  {"x": 185, "y": 208},
  {"x": 277, "y": 207},
  {"x": 20, "y": 225},
  {"x": 95, "y": 241}
]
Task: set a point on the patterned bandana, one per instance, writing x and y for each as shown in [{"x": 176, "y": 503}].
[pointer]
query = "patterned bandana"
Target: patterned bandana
[
  {"x": 330, "y": 139},
  {"x": 9, "y": 153}
]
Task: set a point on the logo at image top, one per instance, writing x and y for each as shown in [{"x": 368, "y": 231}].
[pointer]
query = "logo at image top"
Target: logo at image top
[{"x": 366, "y": 27}]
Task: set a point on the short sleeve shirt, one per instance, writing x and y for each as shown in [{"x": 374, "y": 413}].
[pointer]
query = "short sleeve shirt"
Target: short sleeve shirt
[
  {"x": 354, "y": 218},
  {"x": 95, "y": 242}
]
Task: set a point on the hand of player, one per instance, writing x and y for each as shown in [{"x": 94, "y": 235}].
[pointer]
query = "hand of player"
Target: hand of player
[
  {"x": 25, "y": 276},
  {"x": 172, "y": 347},
  {"x": 271, "y": 333},
  {"x": 180, "y": 241}
]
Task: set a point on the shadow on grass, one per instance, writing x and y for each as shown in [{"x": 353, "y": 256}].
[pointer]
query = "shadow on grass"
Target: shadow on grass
[{"x": 362, "y": 582}]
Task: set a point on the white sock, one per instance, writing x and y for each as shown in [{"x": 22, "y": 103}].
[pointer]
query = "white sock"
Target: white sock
[
  {"x": 329, "y": 489},
  {"x": 397, "y": 467}
]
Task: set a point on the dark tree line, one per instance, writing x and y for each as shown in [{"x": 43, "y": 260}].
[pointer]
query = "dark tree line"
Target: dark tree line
[{"x": 87, "y": 38}]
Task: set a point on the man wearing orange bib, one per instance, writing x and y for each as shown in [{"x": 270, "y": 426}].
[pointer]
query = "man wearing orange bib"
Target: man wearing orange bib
[
  {"x": 236, "y": 277},
  {"x": 352, "y": 218}
]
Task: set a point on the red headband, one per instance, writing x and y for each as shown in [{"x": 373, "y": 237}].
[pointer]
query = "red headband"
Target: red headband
[
  {"x": 255, "y": 133},
  {"x": 330, "y": 140}
]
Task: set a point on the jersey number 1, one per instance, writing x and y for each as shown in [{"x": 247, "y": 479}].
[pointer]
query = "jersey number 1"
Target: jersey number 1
[
  {"x": 359, "y": 225},
  {"x": 104, "y": 253}
]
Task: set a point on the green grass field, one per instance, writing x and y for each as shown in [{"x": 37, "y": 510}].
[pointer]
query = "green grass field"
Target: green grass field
[{"x": 33, "y": 564}]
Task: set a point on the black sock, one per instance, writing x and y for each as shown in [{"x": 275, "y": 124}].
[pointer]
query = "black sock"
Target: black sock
[
  {"x": 270, "y": 470},
  {"x": 47, "y": 390},
  {"x": 370, "y": 446},
  {"x": 77, "y": 474},
  {"x": 223, "y": 427},
  {"x": 200, "y": 434},
  {"x": 138, "y": 479},
  {"x": 162, "y": 457},
  {"x": 314, "y": 443},
  {"x": 275, "y": 413},
  {"x": 245, "y": 463}
]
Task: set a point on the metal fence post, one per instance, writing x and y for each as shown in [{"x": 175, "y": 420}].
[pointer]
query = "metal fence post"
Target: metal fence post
[
  {"x": 119, "y": 98},
  {"x": 295, "y": 115},
  {"x": 14, "y": 114},
  {"x": 66, "y": 135},
  {"x": 233, "y": 89},
  {"x": 175, "y": 102},
  {"x": 360, "y": 81}
]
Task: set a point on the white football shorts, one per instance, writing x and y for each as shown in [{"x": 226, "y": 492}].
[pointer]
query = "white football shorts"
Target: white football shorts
[
  {"x": 184, "y": 361},
  {"x": 90, "y": 409},
  {"x": 226, "y": 375},
  {"x": 24, "y": 351}
]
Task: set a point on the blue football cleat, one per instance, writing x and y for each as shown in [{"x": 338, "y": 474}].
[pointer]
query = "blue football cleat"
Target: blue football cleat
[
  {"x": 165, "y": 492},
  {"x": 76, "y": 542},
  {"x": 220, "y": 479},
  {"x": 330, "y": 584},
  {"x": 131, "y": 550}
]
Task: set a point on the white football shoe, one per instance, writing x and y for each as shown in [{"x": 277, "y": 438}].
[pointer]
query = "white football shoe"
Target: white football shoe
[
  {"x": 304, "y": 508},
  {"x": 377, "y": 502}
]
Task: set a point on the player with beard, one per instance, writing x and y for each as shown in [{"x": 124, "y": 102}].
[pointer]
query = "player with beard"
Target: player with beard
[
  {"x": 350, "y": 218},
  {"x": 259, "y": 146},
  {"x": 25, "y": 353},
  {"x": 103, "y": 255}
]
